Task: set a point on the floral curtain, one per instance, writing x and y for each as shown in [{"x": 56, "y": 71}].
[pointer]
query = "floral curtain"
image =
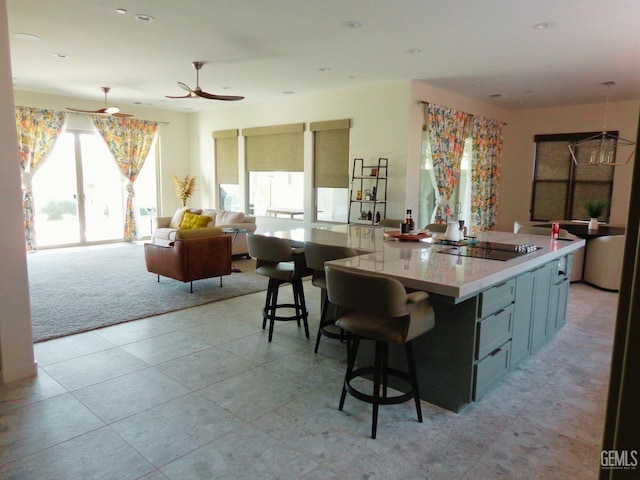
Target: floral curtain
[
  {"x": 485, "y": 173},
  {"x": 38, "y": 129},
  {"x": 129, "y": 141},
  {"x": 447, "y": 129}
]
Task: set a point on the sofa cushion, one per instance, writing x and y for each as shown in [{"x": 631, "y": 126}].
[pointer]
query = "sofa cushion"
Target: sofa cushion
[
  {"x": 190, "y": 221},
  {"x": 225, "y": 217},
  {"x": 209, "y": 212}
]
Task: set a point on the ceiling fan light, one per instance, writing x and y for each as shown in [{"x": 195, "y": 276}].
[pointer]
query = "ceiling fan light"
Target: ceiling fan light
[{"x": 112, "y": 110}]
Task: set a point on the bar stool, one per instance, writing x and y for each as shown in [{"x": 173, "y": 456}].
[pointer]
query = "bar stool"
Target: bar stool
[
  {"x": 316, "y": 254},
  {"x": 379, "y": 309},
  {"x": 281, "y": 263}
]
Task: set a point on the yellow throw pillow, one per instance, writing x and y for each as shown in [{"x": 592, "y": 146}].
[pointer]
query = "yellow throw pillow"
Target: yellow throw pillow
[{"x": 189, "y": 221}]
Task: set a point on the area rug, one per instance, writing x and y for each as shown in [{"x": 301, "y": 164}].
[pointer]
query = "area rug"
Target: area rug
[{"x": 80, "y": 289}]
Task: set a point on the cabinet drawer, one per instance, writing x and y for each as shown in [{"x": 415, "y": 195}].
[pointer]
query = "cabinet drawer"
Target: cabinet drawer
[
  {"x": 493, "y": 331},
  {"x": 496, "y": 298},
  {"x": 490, "y": 369}
]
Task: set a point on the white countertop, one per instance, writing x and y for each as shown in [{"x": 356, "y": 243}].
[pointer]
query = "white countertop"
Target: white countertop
[{"x": 419, "y": 265}]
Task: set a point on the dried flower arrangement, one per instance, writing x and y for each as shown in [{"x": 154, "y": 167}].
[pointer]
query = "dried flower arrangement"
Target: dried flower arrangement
[{"x": 184, "y": 188}]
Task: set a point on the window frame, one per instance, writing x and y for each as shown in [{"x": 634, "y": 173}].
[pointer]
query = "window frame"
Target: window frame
[{"x": 573, "y": 181}]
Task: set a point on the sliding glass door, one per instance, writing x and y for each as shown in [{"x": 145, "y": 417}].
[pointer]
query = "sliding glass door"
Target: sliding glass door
[{"x": 79, "y": 193}]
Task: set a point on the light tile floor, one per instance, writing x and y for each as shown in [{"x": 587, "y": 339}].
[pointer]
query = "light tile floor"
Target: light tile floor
[{"x": 201, "y": 394}]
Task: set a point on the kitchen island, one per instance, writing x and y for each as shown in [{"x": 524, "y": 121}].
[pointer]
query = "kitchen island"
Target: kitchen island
[{"x": 491, "y": 314}]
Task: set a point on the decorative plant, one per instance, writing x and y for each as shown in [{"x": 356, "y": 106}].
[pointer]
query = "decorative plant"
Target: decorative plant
[
  {"x": 184, "y": 188},
  {"x": 595, "y": 206}
]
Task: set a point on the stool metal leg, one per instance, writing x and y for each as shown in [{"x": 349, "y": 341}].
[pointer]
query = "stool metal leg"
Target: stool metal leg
[
  {"x": 414, "y": 378},
  {"x": 352, "y": 352},
  {"x": 272, "y": 309},
  {"x": 323, "y": 314},
  {"x": 300, "y": 305}
]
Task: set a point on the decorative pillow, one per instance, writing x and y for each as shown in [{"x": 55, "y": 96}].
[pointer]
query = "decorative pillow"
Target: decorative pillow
[
  {"x": 225, "y": 217},
  {"x": 176, "y": 220},
  {"x": 189, "y": 221}
]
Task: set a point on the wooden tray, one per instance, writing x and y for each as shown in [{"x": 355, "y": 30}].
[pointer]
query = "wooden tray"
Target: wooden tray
[{"x": 406, "y": 237}]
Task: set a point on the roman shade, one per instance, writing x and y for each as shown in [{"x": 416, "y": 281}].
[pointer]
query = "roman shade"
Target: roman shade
[
  {"x": 226, "y": 156},
  {"x": 278, "y": 148},
  {"x": 331, "y": 153}
]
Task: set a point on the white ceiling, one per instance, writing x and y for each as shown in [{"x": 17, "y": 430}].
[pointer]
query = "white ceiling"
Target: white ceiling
[{"x": 262, "y": 48}]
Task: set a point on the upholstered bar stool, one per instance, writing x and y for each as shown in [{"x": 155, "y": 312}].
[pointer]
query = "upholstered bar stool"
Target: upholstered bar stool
[
  {"x": 378, "y": 308},
  {"x": 281, "y": 263},
  {"x": 316, "y": 255}
]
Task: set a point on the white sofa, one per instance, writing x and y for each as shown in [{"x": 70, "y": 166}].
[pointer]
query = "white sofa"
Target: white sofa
[{"x": 165, "y": 228}]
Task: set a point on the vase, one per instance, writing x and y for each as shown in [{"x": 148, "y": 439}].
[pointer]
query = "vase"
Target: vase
[{"x": 593, "y": 224}]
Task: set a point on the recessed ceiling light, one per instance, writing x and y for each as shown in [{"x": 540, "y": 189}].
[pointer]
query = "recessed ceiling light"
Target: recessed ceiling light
[
  {"x": 61, "y": 55},
  {"x": 288, "y": 92},
  {"x": 414, "y": 51},
  {"x": 324, "y": 69},
  {"x": 26, "y": 36},
  {"x": 496, "y": 95},
  {"x": 544, "y": 25},
  {"x": 350, "y": 24},
  {"x": 121, "y": 11},
  {"x": 144, "y": 17}
]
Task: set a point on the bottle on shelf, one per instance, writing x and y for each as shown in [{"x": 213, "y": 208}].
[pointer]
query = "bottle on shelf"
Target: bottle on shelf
[
  {"x": 377, "y": 217},
  {"x": 369, "y": 215}
]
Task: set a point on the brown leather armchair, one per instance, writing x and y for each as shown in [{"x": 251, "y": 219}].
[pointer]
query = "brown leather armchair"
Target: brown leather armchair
[{"x": 194, "y": 255}]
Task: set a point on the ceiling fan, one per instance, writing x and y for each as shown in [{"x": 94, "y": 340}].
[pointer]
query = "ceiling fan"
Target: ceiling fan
[
  {"x": 198, "y": 92},
  {"x": 115, "y": 111}
]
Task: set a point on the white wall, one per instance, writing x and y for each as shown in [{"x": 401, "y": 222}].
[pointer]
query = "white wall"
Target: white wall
[
  {"x": 16, "y": 349},
  {"x": 379, "y": 128}
]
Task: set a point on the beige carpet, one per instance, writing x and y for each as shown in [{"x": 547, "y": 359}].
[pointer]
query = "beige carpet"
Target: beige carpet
[{"x": 79, "y": 289}]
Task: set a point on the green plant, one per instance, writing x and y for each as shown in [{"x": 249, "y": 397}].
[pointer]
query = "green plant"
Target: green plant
[
  {"x": 55, "y": 209},
  {"x": 595, "y": 206}
]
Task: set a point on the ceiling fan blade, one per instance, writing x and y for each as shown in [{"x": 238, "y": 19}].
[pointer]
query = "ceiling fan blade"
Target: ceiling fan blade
[
  {"x": 79, "y": 110},
  {"x": 188, "y": 95},
  {"x": 211, "y": 96},
  {"x": 185, "y": 87},
  {"x": 197, "y": 92},
  {"x": 113, "y": 110}
]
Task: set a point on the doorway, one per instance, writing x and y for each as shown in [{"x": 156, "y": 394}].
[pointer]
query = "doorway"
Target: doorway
[{"x": 79, "y": 194}]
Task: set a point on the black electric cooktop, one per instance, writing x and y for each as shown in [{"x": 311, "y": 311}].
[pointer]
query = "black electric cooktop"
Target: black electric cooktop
[{"x": 488, "y": 250}]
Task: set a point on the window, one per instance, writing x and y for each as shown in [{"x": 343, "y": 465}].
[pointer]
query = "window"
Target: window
[
  {"x": 560, "y": 187},
  {"x": 275, "y": 166},
  {"x": 331, "y": 169},
  {"x": 226, "y": 167},
  {"x": 276, "y": 193},
  {"x": 79, "y": 193},
  {"x": 461, "y": 199}
]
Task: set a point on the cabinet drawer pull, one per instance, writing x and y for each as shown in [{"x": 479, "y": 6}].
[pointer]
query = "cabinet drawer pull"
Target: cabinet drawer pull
[{"x": 495, "y": 352}]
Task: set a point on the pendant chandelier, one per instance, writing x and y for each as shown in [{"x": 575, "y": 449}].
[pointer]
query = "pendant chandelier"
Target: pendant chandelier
[{"x": 600, "y": 149}]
